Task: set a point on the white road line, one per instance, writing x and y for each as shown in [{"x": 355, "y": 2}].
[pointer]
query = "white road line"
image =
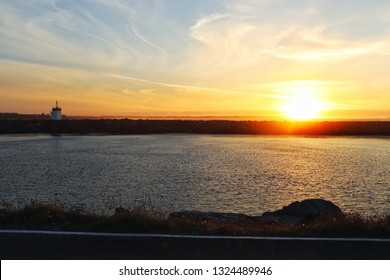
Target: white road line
[{"x": 101, "y": 234}]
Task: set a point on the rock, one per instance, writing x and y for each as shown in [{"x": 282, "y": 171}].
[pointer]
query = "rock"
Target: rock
[
  {"x": 212, "y": 217},
  {"x": 308, "y": 210}
]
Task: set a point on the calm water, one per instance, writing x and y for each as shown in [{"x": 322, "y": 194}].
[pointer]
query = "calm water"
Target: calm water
[{"x": 212, "y": 173}]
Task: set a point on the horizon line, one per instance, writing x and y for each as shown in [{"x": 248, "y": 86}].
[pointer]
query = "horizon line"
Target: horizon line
[{"x": 201, "y": 117}]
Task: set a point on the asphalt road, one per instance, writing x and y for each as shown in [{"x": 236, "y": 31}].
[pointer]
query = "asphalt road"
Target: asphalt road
[{"x": 46, "y": 246}]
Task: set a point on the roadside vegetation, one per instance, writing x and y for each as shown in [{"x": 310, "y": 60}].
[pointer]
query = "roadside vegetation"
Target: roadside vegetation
[{"x": 144, "y": 219}]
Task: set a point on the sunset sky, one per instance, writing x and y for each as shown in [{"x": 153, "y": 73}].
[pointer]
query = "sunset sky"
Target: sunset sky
[{"x": 196, "y": 57}]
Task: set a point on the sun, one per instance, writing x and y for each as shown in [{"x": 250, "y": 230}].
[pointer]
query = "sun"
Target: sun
[{"x": 301, "y": 104}]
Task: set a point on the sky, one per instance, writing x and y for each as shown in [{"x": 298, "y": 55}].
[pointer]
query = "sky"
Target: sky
[{"x": 196, "y": 57}]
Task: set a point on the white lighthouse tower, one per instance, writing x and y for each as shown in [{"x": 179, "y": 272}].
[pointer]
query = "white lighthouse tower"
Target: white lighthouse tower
[{"x": 56, "y": 113}]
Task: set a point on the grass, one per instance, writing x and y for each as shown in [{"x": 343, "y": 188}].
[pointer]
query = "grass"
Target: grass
[{"x": 144, "y": 219}]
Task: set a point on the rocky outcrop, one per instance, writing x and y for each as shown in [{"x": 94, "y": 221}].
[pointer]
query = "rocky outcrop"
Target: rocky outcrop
[
  {"x": 296, "y": 213},
  {"x": 308, "y": 210}
]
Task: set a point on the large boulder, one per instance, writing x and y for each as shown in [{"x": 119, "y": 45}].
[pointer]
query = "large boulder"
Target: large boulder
[{"x": 308, "y": 210}]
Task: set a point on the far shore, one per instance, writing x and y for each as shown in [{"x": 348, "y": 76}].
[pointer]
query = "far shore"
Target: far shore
[{"x": 139, "y": 127}]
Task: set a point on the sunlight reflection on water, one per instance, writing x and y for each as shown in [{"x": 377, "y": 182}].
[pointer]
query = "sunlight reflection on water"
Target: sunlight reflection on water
[{"x": 247, "y": 174}]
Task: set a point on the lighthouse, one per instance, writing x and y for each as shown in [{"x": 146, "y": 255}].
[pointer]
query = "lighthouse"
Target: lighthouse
[{"x": 56, "y": 113}]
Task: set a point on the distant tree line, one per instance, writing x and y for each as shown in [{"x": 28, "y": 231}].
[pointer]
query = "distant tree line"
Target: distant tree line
[
  {"x": 16, "y": 116},
  {"x": 127, "y": 126}
]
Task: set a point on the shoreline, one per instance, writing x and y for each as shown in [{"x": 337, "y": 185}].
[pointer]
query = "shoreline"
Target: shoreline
[
  {"x": 41, "y": 231},
  {"x": 306, "y": 218}
]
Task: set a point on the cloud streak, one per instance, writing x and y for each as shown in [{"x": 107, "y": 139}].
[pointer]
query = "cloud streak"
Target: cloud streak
[{"x": 193, "y": 88}]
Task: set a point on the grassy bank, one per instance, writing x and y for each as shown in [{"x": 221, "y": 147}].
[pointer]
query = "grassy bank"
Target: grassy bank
[{"x": 49, "y": 216}]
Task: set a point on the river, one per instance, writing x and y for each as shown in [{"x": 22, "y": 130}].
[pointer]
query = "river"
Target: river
[{"x": 242, "y": 174}]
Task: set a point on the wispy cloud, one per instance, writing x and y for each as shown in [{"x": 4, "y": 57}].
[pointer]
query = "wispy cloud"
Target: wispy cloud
[
  {"x": 305, "y": 35},
  {"x": 80, "y": 35},
  {"x": 192, "y": 88},
  {"x": 206, "y": 36},
  {"x": 311, "y": 45}
]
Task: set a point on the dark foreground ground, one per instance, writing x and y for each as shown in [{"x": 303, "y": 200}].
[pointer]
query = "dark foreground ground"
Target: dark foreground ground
[{"x": 75, "y": 247}]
